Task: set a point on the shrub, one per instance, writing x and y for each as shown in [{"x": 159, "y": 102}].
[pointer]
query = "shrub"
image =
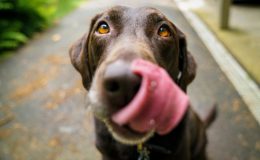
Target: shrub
[{"x": 19, "y": 19}]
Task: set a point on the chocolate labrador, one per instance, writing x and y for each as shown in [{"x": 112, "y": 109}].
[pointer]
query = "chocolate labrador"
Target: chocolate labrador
[{"x": 103, "y": 56}]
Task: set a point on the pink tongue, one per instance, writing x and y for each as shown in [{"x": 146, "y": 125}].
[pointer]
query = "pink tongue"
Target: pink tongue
[{"x": 159, "y": 104}]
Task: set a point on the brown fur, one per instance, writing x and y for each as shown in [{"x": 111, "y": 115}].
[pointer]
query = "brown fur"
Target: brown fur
[{"x": 134, "y": 35}]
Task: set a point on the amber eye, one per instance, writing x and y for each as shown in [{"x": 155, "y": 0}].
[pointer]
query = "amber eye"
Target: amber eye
[
  {"x": 103, "y": 28},
  {"x": 164, "y": 31}
]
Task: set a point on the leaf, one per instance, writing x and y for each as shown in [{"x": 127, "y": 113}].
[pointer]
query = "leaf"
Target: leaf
[
  {"x": 9, "y": 44},
  {"x": 16, "y": 36},
  {"x": 6, "y": 5}
]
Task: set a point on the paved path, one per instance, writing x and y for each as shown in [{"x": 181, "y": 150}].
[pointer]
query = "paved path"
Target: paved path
[{"x": 42, "y": 96}]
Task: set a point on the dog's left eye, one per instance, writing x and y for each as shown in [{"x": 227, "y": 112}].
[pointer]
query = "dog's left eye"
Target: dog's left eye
[
  {"x": 164, "y": 31},
  {"x": 103, "y": 28}
]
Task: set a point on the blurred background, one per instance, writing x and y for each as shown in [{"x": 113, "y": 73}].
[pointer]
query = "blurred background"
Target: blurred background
[
  {"x": 43, "y": 114},
  {"x": 21, "y": 19}
]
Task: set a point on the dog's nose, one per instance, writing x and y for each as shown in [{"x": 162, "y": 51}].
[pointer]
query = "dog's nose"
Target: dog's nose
[{"x": 120, "y": 84}]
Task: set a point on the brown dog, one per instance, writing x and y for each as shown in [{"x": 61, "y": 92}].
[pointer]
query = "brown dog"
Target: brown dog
[{"x": 103, "y": 56}]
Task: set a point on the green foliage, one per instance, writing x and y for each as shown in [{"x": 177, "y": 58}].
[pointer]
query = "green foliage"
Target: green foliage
[{"x": 20, "y": 19}]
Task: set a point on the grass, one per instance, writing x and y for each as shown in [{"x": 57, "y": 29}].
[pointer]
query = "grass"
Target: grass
[{"x": 21, "y": 19}]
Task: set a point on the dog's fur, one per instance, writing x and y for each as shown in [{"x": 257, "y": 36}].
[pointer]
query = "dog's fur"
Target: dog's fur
[{"x": 133, "y": 34}]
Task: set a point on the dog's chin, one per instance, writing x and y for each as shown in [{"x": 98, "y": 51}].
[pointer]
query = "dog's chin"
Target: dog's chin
[
  {"x": 126, "y": 135},
  {"x": 122, "y": 134}
]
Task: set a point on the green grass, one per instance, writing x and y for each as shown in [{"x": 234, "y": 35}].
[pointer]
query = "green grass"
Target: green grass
[{"x": 21, "y": 19}]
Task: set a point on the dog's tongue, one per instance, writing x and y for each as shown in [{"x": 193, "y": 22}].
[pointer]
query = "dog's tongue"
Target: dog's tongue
[{"x": 159, "y": 104}]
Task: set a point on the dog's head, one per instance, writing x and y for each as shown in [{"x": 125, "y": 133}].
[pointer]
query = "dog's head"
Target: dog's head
[{"x": 117, "y": 37}]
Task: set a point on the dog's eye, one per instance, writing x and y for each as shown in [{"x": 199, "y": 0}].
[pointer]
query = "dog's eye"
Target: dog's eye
[
  {"x": 103, "y": 28},
  {"x": 164, "y": 31}
]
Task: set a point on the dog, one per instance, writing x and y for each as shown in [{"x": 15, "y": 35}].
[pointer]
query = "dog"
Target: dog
[{"x": 102, "y": 56}]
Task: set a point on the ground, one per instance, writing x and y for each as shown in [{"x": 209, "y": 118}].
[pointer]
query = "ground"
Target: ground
[{"x": 43, "y": 107}]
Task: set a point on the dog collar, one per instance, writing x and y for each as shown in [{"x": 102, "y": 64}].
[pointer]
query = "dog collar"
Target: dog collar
[
  {"x": 143, "y": 152},
  {"x": 145, "y": 149}
]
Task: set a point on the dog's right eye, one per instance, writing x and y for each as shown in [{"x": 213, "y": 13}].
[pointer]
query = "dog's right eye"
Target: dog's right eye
[{"x": 103, "y": 28}]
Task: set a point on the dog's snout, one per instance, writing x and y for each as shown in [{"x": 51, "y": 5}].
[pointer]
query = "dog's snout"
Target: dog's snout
[{"x": 120, "y": 85}]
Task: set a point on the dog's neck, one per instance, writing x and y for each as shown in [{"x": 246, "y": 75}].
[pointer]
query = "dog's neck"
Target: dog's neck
[{"x": 158, "y": 144}]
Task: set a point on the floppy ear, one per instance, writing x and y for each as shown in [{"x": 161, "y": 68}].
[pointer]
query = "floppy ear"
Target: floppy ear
[
  {"x": 76, "y": 52},
  {"x": 80, "y": 57},
  {"x": 187, "y": 64}
]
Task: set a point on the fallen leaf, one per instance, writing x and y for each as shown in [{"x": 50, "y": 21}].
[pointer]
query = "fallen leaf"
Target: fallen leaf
[
  {"x": 34, "y": 144},
  {"x": 51, "y": 105},
  {"x": 235, "y": 105},
  {"x": 6, "y": 116},
  {"x": 5, "y": 133},
  {"x": 41, "y": 80},
  {"x": 54, "y": 142},
  {"x": 57, "y": 59},
  {"x": 19, "y": 126},
  {"x": 257, "y": 146},
  {"x": 56, "y": 38},
  {"x": 61, "y": 95}
]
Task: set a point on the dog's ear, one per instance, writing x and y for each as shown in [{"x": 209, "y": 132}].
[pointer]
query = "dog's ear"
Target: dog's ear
[
  {"x": 187, "y": 64},
  {"x": 79, "y": 56},
  {"x": 76, "y": 52}
]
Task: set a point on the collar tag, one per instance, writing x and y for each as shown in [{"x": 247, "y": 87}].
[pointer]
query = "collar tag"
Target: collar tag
[{"x": 143, "y": 152}]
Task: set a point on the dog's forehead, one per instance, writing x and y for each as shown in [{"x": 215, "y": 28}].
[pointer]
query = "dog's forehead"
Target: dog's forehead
[{"x": 134, "y": 14}]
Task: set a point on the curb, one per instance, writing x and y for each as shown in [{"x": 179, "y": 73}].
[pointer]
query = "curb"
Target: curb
[{"x": 244, "y": 85}]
